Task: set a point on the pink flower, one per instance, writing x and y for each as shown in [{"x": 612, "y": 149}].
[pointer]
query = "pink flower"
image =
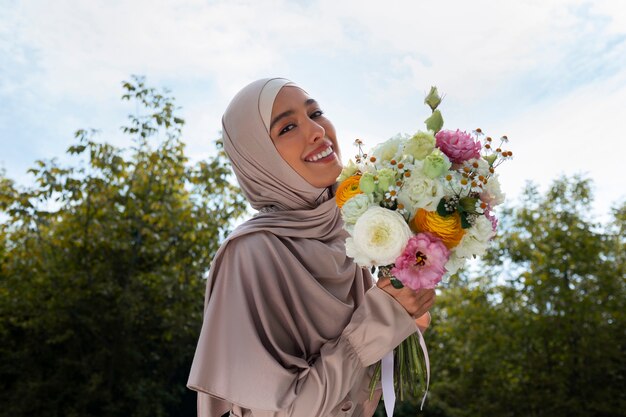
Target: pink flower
[
  {"x": 458, "y": 146},
  {"x": 421, "y": 264},
  {"x": 493, "y": 219}
]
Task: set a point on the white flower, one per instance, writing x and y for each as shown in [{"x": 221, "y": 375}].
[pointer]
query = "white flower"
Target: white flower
[
  {"x": 389, "y": 149},
  {"x": 355, "y": 207},
  {"x": 482, "y": 230},
  {"x": 348, "y": 171},
  {"x": 419, "y": 145},
  {"x": 476, "y": 239},
  {"x": 492, "y": 193},
  {"x": 378, "y": 238},
  {"x": 419, "y": 191},
  {"x": 483, "y": 166},
  {"x": 454, "y": 263}
]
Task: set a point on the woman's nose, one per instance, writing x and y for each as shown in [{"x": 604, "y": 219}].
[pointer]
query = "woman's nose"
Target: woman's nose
[{"x": 316, "y": 131}]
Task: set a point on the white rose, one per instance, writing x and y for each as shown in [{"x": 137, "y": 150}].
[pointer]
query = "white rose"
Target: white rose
[
  {"x": 482, "y": 229},
  {"x": 419, "y": 145},
  {"x": 378, "y": 237},
  {"x": 388, "y": 150},
  {"x": 492, "y": 193},
  {"x": 454, "y": 263},
  {"x": 355, "y": 207},
  {"x": 469, "y": 247},
  {"x": 476, "y": 239},
  {"x": 419, "y": 191}
]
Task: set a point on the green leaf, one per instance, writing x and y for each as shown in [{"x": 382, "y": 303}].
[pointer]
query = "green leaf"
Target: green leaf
[
  {"x": 397, "y": 284},
  {"x": 76, "y": 149},
  {"x": 465, "y": 224},
  {"x": 441, "y": 208},
  {"x": 434, "y": 123},
  {"x": 468, "y": 205}
]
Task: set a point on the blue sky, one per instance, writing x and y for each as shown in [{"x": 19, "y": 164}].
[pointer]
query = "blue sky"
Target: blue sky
[{"x": 550, "y": 74}]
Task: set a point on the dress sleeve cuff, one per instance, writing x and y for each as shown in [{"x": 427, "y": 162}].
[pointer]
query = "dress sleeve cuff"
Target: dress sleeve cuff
[{"x": 378, "y": 326}]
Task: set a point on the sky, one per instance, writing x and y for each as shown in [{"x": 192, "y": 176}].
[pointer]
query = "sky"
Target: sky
[{"x": 549, "y": 74}]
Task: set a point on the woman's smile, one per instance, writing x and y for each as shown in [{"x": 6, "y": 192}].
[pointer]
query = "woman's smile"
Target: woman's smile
[{"x": 323, "y": 153}]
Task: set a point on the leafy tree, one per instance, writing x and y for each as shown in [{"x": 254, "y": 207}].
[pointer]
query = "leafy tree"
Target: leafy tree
[
  {"x": 101, "y": 271},
  {"x": 540, "y": 332}
]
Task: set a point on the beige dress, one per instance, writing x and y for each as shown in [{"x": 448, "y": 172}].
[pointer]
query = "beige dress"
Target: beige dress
[
  {"x": 346, "y": 360},
  {"x": 280, "y": 347}
]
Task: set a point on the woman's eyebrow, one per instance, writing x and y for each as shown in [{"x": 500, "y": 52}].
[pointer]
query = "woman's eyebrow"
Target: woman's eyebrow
[
  {"x": 281, "y": 116},
  {"x": 284, "y": 114}
]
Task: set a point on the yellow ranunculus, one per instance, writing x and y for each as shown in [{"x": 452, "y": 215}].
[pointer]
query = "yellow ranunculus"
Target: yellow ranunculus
[
  {"x": 347, "y": 189},
  {"x": 447, "y": 228}
]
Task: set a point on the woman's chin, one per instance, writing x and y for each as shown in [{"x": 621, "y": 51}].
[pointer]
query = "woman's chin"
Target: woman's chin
[{"x": 324, "y": 177}]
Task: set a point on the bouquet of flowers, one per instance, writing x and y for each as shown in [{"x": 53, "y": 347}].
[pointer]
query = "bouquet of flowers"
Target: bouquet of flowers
[{"x": 417, "y": 208}]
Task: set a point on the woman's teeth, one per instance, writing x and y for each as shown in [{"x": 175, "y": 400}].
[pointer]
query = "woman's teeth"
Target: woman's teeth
[{"x": 320, "y": 155}]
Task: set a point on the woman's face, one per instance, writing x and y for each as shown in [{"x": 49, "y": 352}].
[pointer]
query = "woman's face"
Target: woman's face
[{"x": 304, "y": 137}]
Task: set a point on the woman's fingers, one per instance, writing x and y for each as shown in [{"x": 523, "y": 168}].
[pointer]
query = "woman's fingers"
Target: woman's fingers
[
  {"x": 416, "y": 303},
  {"x": 425, "y": 300},
  {"x": 383, "y": 282},
  {"x": 425, "y": 294}
]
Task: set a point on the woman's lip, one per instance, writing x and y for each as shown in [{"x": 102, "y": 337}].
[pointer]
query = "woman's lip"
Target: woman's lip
[
  {"x": 318, "y": 150},
  {"x": 331, "y": 156}
]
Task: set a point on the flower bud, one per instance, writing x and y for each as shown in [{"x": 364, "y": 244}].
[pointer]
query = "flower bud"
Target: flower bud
[
  {"x": 490, "y": 158},
  {"x": 432, "y": 99}
]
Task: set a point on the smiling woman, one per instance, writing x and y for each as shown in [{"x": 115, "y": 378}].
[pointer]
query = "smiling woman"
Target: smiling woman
[
  {"x": 304, "y": 137},
  {"x": 292, "y": 326}
]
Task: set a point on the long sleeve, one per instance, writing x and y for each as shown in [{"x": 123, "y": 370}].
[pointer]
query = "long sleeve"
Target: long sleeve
[{"x": 377, "y": 326}]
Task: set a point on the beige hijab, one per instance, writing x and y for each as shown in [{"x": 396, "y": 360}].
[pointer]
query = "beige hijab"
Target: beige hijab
[{"x": 281, "y": 285}]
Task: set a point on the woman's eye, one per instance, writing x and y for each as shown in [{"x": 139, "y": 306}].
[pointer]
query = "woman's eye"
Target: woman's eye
[
  {"x": 286, "y": 129},
  {"x": 316, "y": 113}
]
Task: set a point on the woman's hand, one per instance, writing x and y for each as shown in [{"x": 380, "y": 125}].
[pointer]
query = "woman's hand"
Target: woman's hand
[{"x": 416, "y": 303}]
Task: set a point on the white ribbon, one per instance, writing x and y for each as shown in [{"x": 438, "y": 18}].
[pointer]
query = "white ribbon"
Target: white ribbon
[
  {"x": 386, "y": 376},
  {"x": 389, "y": 394},
  {"x": 427, "y": 362}
]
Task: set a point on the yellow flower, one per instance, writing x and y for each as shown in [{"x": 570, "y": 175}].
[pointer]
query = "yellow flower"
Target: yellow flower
[
  {"x": 347, "y": 189},
  {"x": 447, "y": 228}
]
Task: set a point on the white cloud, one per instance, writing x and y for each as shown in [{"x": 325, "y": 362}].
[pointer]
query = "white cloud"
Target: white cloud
[
  {"x": 79, "y": 44},
  {"x": 80, "y": 48},
  {"x": 579, "y": 133}
]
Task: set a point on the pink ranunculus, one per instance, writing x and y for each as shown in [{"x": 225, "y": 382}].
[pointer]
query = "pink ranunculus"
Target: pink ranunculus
[
  {"x": 421, "y": 264},
  {"x": 458, "y": 146}
]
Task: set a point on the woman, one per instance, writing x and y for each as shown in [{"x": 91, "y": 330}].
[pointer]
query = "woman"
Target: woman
[{"x": 292, "y": 326}]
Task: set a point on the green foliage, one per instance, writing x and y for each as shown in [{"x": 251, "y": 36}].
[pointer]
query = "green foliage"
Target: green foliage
[
  {"x": 541, "y": 331},
  {"x": 101, "y": 270}
]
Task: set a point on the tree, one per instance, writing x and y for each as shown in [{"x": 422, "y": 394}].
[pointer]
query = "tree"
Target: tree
[
  {"x": 566, "y": 278},
  {"x": 101, "y": 270}
]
